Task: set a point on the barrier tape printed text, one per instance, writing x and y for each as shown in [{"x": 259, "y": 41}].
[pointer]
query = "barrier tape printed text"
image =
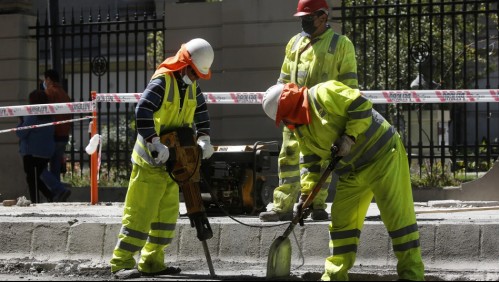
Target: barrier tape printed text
[{"x": 231, "y": 98}]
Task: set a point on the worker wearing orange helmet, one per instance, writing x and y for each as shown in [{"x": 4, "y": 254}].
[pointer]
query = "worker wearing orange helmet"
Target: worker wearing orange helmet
[
  {"x": 172, "y": 99},
  {"x": 374, "y": 163},
  {"x": 317, "y": 54}
]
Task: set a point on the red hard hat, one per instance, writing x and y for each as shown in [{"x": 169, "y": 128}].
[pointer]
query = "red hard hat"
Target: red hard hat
[{"x": 307, "y": 7}]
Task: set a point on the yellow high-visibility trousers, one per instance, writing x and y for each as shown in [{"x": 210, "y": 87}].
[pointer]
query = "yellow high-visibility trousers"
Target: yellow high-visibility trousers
[
  {"x": 149, "y": 219},
  {"x": 388, "y": 180}
]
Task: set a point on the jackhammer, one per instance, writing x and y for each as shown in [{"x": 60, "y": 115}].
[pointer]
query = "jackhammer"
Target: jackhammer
[{"x": 183, "y": 166}]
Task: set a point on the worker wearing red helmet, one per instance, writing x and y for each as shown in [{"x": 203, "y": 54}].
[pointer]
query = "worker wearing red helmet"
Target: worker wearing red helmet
[{"x": 315, "y": 55}]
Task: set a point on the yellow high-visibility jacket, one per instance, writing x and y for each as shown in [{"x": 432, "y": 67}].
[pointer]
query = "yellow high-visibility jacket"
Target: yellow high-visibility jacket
[
  {"x": 167, "y": 118},
  {"x": 336, "y": 109},
  {"x": 329, "y": 56}
]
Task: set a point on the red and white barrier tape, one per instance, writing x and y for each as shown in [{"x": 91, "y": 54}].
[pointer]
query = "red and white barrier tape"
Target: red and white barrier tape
[
  {"x": 44, "y": 124},
  {"x": 252, "y": 98},
  {"x": 376, "y": 96},
  {"x": 118, "y": 97},
  {"x": 433, "y": 96},
  {"x": 47, "y": 109}
]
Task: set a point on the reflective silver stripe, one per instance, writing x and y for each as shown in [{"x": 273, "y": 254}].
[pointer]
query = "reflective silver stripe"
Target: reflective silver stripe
[
  {"x": 286, "y": 168},
  {"x": 318, "y": 107},
  {"x": 333, "y": 43},
  {"x": 159, "y": 240},
  {"x": 366, "y": 157},
  {"x": 406, "y": 246},
  {"x": 141, "y": 152},
  {"x": 302, "y": 74},
  {"x": 345, "y": 249},
  {"x": 357, "y": 103},
  {"x": 325, "y": 186},
  {"x": 289, "y": 180},
  {"x": 312, "y": 169},
  {"x": 133, "y": 233},
  {"x": 348, "y": 75},
  {"x": 284, "y": 76},
  {"x": 191, "y": 92},
  {"x": 298, "y": 132},
  {"x": 375, "y": 125},
  {"x": 344, "y": 170},
  {"x": 169, "y": 94},
  {"x": 404, "y": 231},
  {"x": 336, "y": 235},
  {"x": 295, "y": 44},
  {"x": 309, "y": 159},
  {"x": 128, "y": 247},
  {"x": 369, "y": 154},
  {"x": 361, "y": 114},
  {"x": 163, "y": 226}
]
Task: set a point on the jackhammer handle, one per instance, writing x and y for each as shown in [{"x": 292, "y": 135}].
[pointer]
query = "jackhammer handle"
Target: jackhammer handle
[{"x": 199, "y": 220}]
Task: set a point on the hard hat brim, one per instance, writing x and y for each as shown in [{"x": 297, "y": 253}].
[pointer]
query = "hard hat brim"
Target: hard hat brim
[
  {"x": 300, "y": 14},
  {"x": 200, "y": 74}
]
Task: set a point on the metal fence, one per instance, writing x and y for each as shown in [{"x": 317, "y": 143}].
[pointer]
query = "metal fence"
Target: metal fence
[
  {"x": 108, "y": 53},
  {"x": 411, "y": 44},
  {"x": 429, "y": 44}
]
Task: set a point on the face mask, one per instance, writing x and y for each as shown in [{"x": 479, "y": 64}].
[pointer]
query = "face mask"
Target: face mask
[
  {"x": 186, "y": 78},
  {"x": 308, "y": 26}
]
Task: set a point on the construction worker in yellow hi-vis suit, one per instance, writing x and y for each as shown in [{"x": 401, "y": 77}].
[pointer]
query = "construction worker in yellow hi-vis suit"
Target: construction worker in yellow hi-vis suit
[
  {"x": 317, "y": 54},
  {"x": 374, "y": 164}
]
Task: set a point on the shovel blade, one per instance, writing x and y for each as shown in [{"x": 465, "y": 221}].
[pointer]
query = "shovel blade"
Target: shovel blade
[{"x": 279, "y": 259}]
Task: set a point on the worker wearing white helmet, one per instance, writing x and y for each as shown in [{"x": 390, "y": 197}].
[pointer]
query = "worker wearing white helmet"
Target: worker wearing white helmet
[
  {"x": 172, "y": 100},
  {"x": 374, "y": 163},
  {"x": 317, "y": 54}
]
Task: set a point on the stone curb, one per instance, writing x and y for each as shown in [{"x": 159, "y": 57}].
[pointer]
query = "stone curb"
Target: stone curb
[{"x": 446, "y": 246}]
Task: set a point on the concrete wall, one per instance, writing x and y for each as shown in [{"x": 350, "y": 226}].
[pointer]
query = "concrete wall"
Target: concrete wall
[
  {"x": 249, "y": 38},
  {"x": 17, "y": 76}
]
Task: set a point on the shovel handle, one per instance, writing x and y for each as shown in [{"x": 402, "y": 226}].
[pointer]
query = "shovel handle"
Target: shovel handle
[
  {"x": 315, "y": 191},
  {"x": 323, "y": 178}
]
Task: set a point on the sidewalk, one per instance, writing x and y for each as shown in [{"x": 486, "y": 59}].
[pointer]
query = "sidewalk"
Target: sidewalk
[{"x": 451, "y": 241}]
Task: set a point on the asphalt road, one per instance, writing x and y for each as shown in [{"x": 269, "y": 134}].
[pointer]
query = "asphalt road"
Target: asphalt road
[{"x": 224, "y": 272}]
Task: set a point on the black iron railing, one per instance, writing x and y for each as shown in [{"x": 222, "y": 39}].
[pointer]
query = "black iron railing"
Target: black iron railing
[
  {"x": 431, "y": 44},
  {"x": 108, "y": 53}
]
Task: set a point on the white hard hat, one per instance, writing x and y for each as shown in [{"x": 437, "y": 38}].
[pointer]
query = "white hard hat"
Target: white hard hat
[
  {"x": 270, "y": 100},
  {"x": 201, "y": 54}
]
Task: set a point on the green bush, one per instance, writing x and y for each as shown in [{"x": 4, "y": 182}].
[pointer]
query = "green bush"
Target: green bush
[{"x": 434, "y": 175}]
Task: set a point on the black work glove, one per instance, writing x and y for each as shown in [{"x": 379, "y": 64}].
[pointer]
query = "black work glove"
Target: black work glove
[{"x": 304, "y": 213}]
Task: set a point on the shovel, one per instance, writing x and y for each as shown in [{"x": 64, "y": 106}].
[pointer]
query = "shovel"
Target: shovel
[{"x": 279, "y": 259}]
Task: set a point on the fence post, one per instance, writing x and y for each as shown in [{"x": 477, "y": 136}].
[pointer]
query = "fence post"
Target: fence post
[{"x": 94, "y": 189}]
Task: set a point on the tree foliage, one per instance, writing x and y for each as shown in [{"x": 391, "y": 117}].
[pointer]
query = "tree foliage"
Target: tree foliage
[{"x": 449, "y": 42}]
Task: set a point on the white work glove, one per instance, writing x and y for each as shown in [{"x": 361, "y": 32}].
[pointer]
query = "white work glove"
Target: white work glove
[
  {"x": 345, "y": 144},
  {"x": 160, "y": 148},
  {"x": 205, "y": 144}
]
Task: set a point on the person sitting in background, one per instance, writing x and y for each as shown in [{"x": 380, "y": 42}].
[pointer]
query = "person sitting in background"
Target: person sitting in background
[{"x": 36, "y": 146}]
